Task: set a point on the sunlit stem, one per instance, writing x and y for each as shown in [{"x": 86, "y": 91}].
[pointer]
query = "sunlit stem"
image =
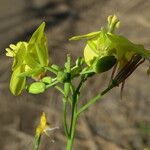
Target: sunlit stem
[
  {"x": 65, "y": 117},
  {"x": 74, "y": 115}
]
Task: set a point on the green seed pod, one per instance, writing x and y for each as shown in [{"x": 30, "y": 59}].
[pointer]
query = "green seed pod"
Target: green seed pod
[
  {"x": 47, "y": 80},
  {"x": 104, "y": 64},
  {"x": 63, "y": 77},
  {"x": 36, "y": 88}
]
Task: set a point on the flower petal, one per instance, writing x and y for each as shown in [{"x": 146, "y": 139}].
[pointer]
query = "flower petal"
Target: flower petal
[
  {"x": 17, "y": 84},
  {"x": 85, "y": 36}
]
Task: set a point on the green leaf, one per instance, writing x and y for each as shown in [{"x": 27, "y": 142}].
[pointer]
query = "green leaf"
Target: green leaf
[
  {"x": 92, "y": 44},
  {"x": 124, "y": 45},
  {"x": 36, "y": 88},
  {"x": 38, "y": 46},
  {"x": 21, "y": 49},
  {"x": 75, "y": 71},
  {"x": 55, "y": 67},
  {"x": 85, "y": 36},
  {"x": 38, "y": 34},
  {"x": 119, "y": 40},
  {"x": 31, "y": 61},
  {"x": 42, "y": 54},
  {"x": 17, "y": 84},
  {"x": 31, "y": 72},
  {"x": 103, "y": 43}
]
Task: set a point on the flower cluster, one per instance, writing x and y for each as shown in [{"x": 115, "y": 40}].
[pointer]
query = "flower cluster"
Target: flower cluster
[
  {"x": 104, "y": 48},
  {"x": 30, "y": 58}
]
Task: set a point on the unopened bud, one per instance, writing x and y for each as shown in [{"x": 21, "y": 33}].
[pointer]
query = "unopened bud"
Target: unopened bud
[
  {"x": 36, "y": 88},
  {"x": 63, "y": 77},
  {"x": 47, "y": 80},
  {"x": 104, "y": 64},
  {"x": 113, "y": 22}
]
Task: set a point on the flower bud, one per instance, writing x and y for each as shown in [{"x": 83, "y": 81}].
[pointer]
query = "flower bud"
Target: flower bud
[
  {"x": 104, "y": 64},
  {"x": 36, "y": 88},
  {"x": 113, "y": 23},
  {"x": 47, "y": 80},
  {"x": 63, "y": 77}
]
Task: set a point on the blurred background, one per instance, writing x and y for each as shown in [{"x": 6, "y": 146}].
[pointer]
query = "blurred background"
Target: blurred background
[{"x": 111, "y": 124}]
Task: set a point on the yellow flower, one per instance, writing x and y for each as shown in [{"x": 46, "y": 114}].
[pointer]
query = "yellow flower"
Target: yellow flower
[
  {"x": 18, "y": 52},
  {"x": 30, "y": 58},
  {"x": 43, "y": 126},
  {"x": 99, "y": 46},
  {"x": 102, "y": 45}
]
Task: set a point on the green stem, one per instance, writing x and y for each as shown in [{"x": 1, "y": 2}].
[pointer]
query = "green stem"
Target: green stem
[
  {"x": 94, "y": 99},
  {"x": 69, "y": 144},
  {"x": 74, "y": 116},
  {"x": 70, "y": 139},
  {"x": 65, "y": 117},
  {"x": 51, "y": 70},
  {"x": 90, "y": 102},
  {"x": 74, "y": 103},
  {"x": 52, "y": 84},
  {"x": 76, "y": 112},
  {"x": 60, "y": 89},
  {"x": 37, "y": 140}
]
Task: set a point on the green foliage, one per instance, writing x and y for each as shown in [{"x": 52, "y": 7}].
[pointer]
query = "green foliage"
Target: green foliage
[
  {"x": 124, "y": 46},
  {"x": 63, "y": 76},
  {"x": 29, "y": 59},
  {"x": 17, "y": 84}
]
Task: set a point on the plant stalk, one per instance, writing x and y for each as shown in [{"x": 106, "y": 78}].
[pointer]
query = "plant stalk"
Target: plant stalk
[{"x": 70, "y": 139}]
